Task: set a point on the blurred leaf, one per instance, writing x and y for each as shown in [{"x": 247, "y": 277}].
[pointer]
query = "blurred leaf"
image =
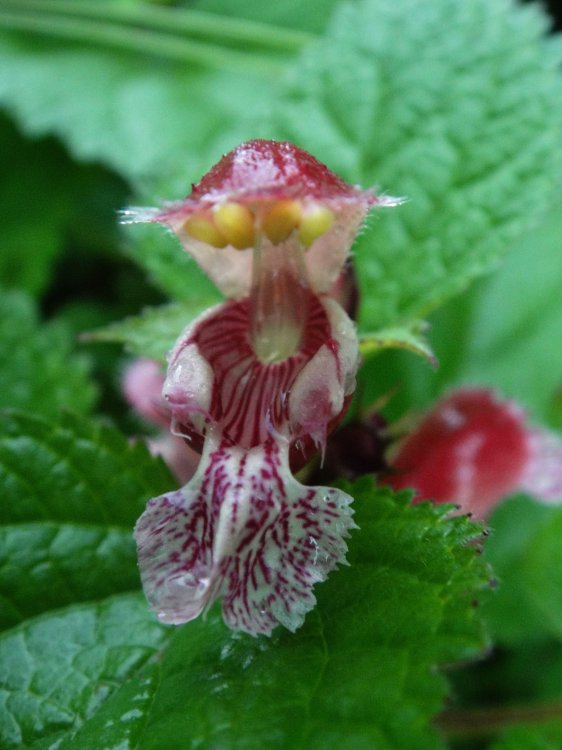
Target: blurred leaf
[
  {"x": 514, "y": 332},
  {"x": 502, "y": 334},
  {"x": 309, "y": 15},
  {"x": 466, "y": 124},
  {"x": 523, "y": 550},
  {"x": 152, "y": 333},
  {"x": 546, "y": 736},
  {"x": 542, "y": 572},
  {"x": 71, "y": 495},
  {"x": 170, "y": 268},
  {"x": 39, "y": 372},
  {"x": 36, "y": 200},
  {"x": 146, "y": 118}
]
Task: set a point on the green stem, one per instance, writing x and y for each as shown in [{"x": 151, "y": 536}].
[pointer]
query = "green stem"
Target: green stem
[
  {"x": 140, "y": 41},
  {"x": 486, "y": 721},
  {"x": 174, "y": 20}
]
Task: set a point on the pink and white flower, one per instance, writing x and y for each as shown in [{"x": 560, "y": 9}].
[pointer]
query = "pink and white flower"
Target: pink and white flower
[
  {"x": 258, "y": 381},
  {"x": 474, "y": 448},
  {"x": 141, "y": 385}
]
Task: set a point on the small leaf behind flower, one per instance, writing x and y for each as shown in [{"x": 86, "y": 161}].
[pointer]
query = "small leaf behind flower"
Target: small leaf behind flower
[
  {"x": 410, "y": 338},
  {"x": 152, "y": 333}
]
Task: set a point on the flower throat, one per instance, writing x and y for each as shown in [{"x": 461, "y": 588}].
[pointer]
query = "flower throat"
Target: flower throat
[{"x": 279, "y": 299}]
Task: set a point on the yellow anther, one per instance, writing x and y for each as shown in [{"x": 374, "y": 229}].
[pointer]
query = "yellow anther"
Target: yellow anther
[
  {"x": 280, "y": 220},
  {"x": 202, "y": 228},
  {"x": 316, "y": 219},
  {"x": 236, "y": 223}
]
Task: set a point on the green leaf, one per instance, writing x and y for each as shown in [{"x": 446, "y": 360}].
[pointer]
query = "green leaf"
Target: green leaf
[
  {"x": 544, "y": 737},
  {"x": 32, "y": 230},
  {"x": 39, "y": 372},
  {"x": 523, "y": 550},
  {"x": 297, "y": 14},
  {"x": 59, "y": 669},
  {"x": 168, "y": 266},
  {"x": 152, "y": 333},
  {"x": 542, "y": 572},
  {"x": 184, "y": 35},
  {"x": 467, "y": 125},
  {"x": 120, "y": 720},
  {"x": 515, "y": 327},
  {"x": 361, "y": 672},
  {"x": 502, "y": 333},
  {"x": 71, "y": 493},
  {"x": 410, "y": 338}
]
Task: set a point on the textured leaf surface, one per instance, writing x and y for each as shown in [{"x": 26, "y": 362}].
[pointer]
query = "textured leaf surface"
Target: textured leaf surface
[
  {"x": 152, "y": 334},
  {"x": 71, "y": 494},
  {"x": 59, "y": 669},
  {"x": 517, "y": 320},
  {"x": 465, "y": 124},
  {"x": 38, "y": 371},
  {"x": 503, "y": 333},
  {"x": 361, "y": 672},
  {"x": 468, "y": 128}
]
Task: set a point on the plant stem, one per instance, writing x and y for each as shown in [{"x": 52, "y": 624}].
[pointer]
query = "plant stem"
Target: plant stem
[{"x": 486, "y": 721}]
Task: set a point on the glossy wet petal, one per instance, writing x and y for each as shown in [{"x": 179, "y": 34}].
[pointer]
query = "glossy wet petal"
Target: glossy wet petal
[{"x": 246, "y": 530}]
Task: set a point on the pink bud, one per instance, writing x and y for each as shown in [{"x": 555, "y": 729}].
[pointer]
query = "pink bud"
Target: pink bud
[
  {"x": 142, "y": 387},
  {"x": 472, "y": 449}
]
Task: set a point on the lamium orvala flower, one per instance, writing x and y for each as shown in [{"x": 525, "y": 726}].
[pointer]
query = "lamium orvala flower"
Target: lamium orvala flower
[
  {"x": 474, "y": 448},
  {"x": 257, "y": 383}
]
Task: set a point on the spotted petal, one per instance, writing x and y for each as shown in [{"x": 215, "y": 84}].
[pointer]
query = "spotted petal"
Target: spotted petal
[{"x": 243, "y": 529}]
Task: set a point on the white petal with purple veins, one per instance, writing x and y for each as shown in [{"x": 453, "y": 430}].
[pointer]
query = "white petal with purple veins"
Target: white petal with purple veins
[{"x": 246, "y": 530}]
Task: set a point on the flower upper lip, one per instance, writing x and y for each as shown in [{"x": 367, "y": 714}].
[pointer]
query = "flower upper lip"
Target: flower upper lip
[
  {"x": 253, "y": 178},
  {"x": 269, "y": 170}
]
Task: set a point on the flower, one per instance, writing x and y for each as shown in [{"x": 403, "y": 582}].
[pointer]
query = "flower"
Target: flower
[
  {"x": 474, "y": 448},
  {"x": 141, "y": 385},
  {"x": 258, "y": 382}
]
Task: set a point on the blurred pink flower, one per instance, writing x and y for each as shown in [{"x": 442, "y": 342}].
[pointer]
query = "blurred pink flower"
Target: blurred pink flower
[
  {"x": 142, "y": 384},
  {"x": 474, "y": 448}
]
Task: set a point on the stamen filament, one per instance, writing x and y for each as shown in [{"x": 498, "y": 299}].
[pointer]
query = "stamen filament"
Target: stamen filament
[{"x": 279, "y": 299}]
